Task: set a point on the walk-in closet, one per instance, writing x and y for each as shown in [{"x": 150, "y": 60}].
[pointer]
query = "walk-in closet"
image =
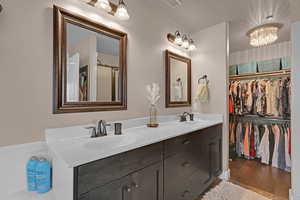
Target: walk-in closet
[{"x": 259, "y": 92}]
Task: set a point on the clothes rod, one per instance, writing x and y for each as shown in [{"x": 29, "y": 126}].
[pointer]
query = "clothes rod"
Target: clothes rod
[
  {"x": 261, "y": 75},
  {"x": 260, "y": 120}
]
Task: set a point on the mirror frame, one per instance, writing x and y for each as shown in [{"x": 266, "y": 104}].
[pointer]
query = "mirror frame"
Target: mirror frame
[
  {"x": 60, "y": 19},
  {"x": 169, "y": 103}
]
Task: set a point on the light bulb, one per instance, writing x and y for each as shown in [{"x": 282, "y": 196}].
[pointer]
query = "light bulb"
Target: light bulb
[
  {"x": 178, "y": 39},
  {"x": 185, "y": 42},
  {"x": 192, "y": 46},
  {"x": 104, "y": 4},
  {"x": 122, "y": 12}
]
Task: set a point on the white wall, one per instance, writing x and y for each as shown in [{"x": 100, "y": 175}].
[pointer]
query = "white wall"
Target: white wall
[
  {"x": 210, "y": 58},
  {"x": 26, "y": 53},
  {"x": 295, "y": 111},
  {"x": 12, "y": 173},
  {"x": 269, "y": 52}
]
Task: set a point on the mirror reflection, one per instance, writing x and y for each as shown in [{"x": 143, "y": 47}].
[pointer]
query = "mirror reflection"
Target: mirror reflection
[
  {"x": 93, "y": 66},
  {"x": 179, "y": 86}
]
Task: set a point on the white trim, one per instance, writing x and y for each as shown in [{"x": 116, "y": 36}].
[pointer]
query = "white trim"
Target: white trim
[
  {"x": 225, "y": 175},
  {"x": 292, "y": 195}
]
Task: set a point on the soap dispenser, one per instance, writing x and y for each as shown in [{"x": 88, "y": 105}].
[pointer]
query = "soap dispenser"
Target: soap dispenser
[
  {"x": 31, "y": 173},
  {"x": 43, "y": 176}
]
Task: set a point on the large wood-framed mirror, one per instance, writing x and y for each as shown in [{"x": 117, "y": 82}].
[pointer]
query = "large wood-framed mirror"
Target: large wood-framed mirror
[
  {"x": 178, "y": 80},
  {"x": 90, "y": 72}
]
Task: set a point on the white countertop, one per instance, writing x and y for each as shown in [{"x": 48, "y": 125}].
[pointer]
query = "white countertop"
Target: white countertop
[{"x": 74, "y": 145}]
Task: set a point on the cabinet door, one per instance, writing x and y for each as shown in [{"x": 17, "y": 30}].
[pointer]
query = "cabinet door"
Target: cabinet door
[
  {"x": 147, "y": 183},
  {"x": 215, "y": 157},
  {"x": 116, "y": 190}
]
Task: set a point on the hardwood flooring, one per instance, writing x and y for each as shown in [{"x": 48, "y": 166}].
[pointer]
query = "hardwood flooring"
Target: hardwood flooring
[{"x": 266, "y": 180}]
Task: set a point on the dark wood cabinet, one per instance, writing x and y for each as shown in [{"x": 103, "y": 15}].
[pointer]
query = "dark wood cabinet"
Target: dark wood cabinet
[
  {"x": 144, "y": 184},
  {"x": 147, "y": 184},
  {"x": 180, "y": 168},
  {"x": 192, "y": 162}
]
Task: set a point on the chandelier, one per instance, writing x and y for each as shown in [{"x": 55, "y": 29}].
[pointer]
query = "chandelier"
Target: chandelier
[{"x": 264, "y": 34}]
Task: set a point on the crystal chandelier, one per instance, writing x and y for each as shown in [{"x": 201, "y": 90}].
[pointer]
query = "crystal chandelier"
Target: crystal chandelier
[{"x": 264, "y": 34}]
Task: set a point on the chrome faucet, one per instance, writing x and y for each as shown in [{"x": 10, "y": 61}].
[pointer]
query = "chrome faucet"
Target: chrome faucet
[
  {"x": 183, "y": 116},
  {"x": 101, "y": 128}
]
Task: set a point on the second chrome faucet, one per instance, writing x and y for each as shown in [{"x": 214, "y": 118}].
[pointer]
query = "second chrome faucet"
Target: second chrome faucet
[{"x": 183, "y": 116}]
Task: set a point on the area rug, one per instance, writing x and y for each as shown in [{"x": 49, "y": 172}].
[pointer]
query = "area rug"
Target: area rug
[{"x": 228, "y": 191}]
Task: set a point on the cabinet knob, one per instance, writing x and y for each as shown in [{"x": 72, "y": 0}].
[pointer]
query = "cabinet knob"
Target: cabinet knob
[
  {"x": 135, "y": 185},
  {"x": 185, "y": 142},
  {"x": 127, "y": 189},
  {"x": 185, "y": 193},
  {"x": 186, "y": 164}
]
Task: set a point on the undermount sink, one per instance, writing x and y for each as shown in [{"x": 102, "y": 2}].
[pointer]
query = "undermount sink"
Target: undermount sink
[
  {"x": 188, "y": 122},
  {"x": 109, "y": 141}
]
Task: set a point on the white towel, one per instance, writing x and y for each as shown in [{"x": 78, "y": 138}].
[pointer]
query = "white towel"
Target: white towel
[{"x": 202, "y": 92}]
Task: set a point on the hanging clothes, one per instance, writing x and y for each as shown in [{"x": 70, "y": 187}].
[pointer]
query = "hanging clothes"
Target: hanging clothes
[
  {"x": 246, "y": 142},
  {"x": 276, "y": 132},
  {"x": 281, "y": 151},
  {"x": 260, "y": 97},
  {"x": 264, "y": 150},
  {"x": 268, "y": 143}
]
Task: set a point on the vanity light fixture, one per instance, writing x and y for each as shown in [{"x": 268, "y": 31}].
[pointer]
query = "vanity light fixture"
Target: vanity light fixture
[
  {"x": 104, "y": 4},
  {"x": 182, "y": 41},
  {"x": 185, "y": 43},
  {"x": 192, "y": 46},
  {"x": 122, "y": 12},
  {"x": 178, "y": 39}
]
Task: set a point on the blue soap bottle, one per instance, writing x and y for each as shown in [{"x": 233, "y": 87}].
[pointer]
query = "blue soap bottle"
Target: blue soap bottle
[
  {"x": 43, "y": 176},
  {"x": 31, "y": 173}
]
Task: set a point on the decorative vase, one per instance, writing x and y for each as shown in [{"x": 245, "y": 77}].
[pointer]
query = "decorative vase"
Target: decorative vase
[{"x": 153, "y": 116}]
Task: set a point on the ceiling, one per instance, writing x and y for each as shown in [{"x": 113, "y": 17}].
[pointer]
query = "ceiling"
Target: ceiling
[{"x": 195, "y": 15}]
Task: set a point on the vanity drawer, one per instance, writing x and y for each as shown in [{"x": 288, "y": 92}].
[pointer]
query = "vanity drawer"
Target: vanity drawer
[
  {"x": 181, "y": 144},
  {"x": 103, "y": 171},
  {"x": 213, "y": 132},
  {"x": 187, "y": 189},
  {"x": 181, "y": 165}
]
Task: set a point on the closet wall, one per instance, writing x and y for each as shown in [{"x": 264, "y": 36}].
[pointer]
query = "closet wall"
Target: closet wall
[
  {"x": 277, "y": 50},
  {"x": 295, "y": 192},
  {"x": 211, "y": 58}
]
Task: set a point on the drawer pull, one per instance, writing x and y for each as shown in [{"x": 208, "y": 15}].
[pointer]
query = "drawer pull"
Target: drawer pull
[
  {"x": 186, "y": 142},
  {"x": 186, "y": 164},
  {"x": 127, "y": 189},
  {"x": 135, "y": 185},
  {"x": 185, "y": 193}
]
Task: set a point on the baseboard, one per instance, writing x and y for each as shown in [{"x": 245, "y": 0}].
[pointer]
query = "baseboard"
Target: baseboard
[
  {"x": 225, "y": 175},
  {"x": 292, "y": 195}
]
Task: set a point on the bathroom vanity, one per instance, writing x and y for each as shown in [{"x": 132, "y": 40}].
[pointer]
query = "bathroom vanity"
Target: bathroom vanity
[{"x": 179, "y": 166}]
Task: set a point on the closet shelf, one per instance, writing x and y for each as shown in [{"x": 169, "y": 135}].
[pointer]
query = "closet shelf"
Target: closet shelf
[{"x": 260, "y": 75}]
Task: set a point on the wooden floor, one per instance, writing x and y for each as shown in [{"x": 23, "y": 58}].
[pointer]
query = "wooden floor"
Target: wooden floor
[{"x": 269, "y": 181}]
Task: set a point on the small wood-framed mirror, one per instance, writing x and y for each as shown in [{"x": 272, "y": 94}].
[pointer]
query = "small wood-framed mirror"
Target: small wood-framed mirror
[
  {"x": 90, "y": 72},
  {"x": 178, "y": 80}
]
